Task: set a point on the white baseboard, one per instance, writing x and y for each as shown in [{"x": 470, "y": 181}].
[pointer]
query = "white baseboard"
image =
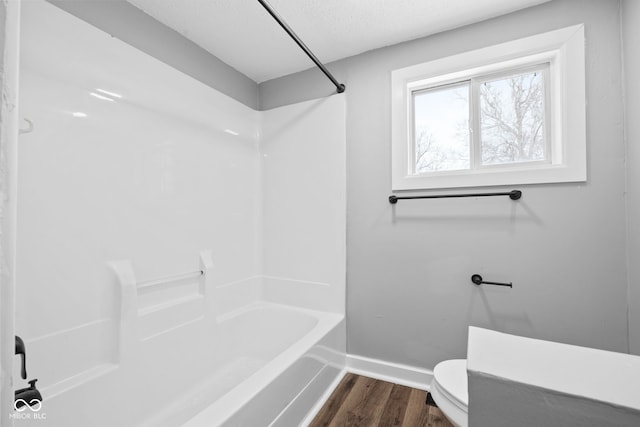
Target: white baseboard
[{"x": 410, "y": 376}]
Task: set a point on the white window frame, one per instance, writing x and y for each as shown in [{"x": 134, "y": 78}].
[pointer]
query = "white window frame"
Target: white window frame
[{"x": 565, "y": 119}]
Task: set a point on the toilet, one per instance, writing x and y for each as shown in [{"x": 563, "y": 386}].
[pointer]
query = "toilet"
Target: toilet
[{"x": 449, "y": 390}]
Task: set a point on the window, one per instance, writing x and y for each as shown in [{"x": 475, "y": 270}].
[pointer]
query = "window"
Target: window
[
  {"x": 441, "y": 137},
  {"x": 482, "y": 122},
  {"x": 505, "y": 115}
]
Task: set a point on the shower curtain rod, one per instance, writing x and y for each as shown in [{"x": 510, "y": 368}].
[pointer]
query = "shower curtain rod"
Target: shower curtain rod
[{"x": 339, "y": 86}]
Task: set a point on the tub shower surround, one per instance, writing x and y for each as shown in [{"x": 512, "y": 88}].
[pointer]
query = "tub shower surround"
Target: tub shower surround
[{"x": 180, "y": 255}]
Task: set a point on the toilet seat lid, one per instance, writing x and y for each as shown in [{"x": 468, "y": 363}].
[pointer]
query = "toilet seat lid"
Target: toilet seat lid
[{"x": 451, "y": 376}]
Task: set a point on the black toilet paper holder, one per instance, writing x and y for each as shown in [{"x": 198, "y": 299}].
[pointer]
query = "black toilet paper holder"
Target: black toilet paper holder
[{"x": 477, "y": 279}]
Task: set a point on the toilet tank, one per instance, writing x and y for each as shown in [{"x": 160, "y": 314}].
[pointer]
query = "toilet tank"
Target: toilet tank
[{"x": 525, "y": 382}]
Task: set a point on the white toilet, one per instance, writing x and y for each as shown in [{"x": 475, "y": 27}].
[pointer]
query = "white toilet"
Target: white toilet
[{"x": 449, "y": 390}]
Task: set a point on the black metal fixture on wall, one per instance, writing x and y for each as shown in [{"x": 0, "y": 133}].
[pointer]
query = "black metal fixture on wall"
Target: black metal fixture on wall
[
  {"x": 513, "y": 195},
  {"x": 478, "y": 280}
]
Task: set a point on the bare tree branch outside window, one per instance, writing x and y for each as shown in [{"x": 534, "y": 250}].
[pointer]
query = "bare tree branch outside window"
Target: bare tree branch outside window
[
  {"x": 511, "y": 123},
  {"x": 512, "y": 119},
  {"x": 441, "y": 144}
]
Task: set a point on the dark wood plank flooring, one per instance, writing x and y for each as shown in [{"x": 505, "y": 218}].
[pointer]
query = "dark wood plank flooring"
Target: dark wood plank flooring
[{"x": 365, "y": 402}]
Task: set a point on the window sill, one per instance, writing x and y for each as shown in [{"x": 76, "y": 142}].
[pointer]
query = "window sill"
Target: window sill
[{"x": 503, "y": 176}]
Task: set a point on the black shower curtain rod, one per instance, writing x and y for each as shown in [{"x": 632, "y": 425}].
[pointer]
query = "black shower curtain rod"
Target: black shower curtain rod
[{"x": 339, "y": 86}]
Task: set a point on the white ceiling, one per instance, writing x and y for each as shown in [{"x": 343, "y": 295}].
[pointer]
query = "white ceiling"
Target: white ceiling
[{"x": 242, "y": 34}]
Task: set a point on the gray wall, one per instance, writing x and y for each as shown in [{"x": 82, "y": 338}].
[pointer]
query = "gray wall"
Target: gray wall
[
  {"x": 409, "y": 297},
  {"x": 130, "y": 24},
  {"x": 631, "y": 38}
]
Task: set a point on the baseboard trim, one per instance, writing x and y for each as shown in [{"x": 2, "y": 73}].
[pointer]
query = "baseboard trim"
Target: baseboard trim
[{"x": 410, "y": 376}]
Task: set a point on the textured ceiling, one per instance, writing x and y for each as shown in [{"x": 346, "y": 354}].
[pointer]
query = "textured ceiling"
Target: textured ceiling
[{"x": 242, "y": 34}]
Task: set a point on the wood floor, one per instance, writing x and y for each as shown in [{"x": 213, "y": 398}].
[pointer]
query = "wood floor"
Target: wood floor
[{"x": 365, "y": 402}]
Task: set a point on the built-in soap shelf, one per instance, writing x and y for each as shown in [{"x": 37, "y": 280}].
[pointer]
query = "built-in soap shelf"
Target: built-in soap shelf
[{"x": 152, "y": 307}]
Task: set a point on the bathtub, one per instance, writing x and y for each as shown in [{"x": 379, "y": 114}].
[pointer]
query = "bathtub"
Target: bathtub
[
  {"x": 284, "y": 359},
  {"x": 263, "y": 363}
]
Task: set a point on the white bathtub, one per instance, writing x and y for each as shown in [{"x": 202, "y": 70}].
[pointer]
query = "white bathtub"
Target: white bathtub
[
  {"x": 284, "y": 359},
  {"x": 261, "y": 364}
]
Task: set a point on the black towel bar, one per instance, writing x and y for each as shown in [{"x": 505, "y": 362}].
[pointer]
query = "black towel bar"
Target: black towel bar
[{"x": 513, "y": 195}]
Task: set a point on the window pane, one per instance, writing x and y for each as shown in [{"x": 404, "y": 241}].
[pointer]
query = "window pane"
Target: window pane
[
  {"x": 441, "y": 129},
  {"x": 512, "y": 119}
]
